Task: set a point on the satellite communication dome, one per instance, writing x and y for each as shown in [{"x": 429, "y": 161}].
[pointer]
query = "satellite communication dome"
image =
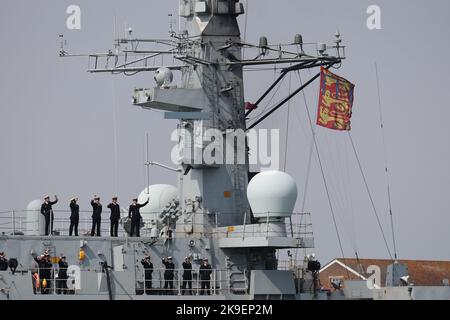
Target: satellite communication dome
[
  {"x": 35, "y": 222},
  {"x": 160, "y": 195},
  {"x": 163, "y": 77},
  {"x": 273, "y": 194}
]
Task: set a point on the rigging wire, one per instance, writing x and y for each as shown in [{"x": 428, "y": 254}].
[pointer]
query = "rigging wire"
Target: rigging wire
[
  {"x": 323, "y": 178},
  {"x": 352, "y": 209},
  {"x": 369, "y": 194},
  {"x": 268, "y": 105},
  {"x": 385, "y": 162},
  {"x": 308, "y": 174},
  {"x": 336, "y": 169},
  {"x": 333, "y": 173},
  {"x": 287, "y": 125},
  {"x": 245, "y": 27},
  {"x": 114, "y": 115},
  {"x": 115, "y": 142},
  {"x": 352, "y": 234},
  {"x": 341, "y": 192},
  {"x": 305, "y": 192}
]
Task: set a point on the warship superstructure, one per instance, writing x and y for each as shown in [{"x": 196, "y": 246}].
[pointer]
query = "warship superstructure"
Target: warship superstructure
[{"x": 217, "y": 210}]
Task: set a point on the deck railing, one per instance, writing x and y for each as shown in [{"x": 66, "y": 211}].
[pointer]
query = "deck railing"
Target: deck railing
[
  {"x": 218, "y": 284},
  {"x": 298, "y": 225}
]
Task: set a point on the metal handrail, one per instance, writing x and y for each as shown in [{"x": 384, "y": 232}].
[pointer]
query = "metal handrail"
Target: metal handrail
[
  {"x": 218, "y": 283},
  {"x": 17, "y": 222}
]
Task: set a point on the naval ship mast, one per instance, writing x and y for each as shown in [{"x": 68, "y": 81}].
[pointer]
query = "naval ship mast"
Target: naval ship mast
[
  {"x": 213, "y": 197},
  {"x": 215, "y": 213},
  {"x": 211, "y": 96}
]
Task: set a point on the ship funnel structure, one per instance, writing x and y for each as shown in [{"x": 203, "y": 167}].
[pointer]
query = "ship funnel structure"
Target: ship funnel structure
[
  {"x": 35, "y": 221},
  {"x": 272, "y": 195}
]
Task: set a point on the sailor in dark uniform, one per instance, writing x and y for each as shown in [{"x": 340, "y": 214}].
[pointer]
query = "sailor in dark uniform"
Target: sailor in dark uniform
[
  {"x": 205, "y": 277},
  {"x": 168, "y": 275},
  {"x": 74, "y": 216},
  {"x": 45, "y": 268},
  {"x": 61, "y": 285},
  {"x": 135, "y": 216},
  {"x": 148, "y": 270},
  {"x": 115, "y": 217},
  {"x": 187, "y": 276},
  {"x": 96, "y": 215},
  {"x": 47, "y": 212},
  {"x": 3, "y": 262}
]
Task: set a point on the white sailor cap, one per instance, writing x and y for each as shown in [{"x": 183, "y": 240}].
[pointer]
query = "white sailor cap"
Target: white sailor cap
[{"x": 46, "y": 197}]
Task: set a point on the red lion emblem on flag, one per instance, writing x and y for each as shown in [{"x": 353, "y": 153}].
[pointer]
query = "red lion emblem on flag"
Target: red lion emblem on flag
[{"x": 335, "y": 101}]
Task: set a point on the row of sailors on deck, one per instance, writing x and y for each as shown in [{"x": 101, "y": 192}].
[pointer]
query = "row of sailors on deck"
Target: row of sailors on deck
[
  {"x": 205, "y": 271},
  {"x": 133, "y": 214},
  {"x": 43, "y": 277}
]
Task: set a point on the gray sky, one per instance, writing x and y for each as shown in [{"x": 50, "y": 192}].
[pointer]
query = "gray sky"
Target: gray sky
[{"x": 57, "y": 120}]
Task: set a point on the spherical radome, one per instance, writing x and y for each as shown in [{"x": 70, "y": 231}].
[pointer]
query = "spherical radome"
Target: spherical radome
[
  {"x": 272, "y": 192},
  {"x": 163, "y": 77},
  {"x": 160, "y": 195},
  {"x": 34, "y": 205},
  {"x": 35, "y": 223}
]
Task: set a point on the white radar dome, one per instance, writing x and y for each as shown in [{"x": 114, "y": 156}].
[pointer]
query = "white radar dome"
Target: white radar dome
[
  {"x": 273, "y": 193},
  {"x": 35, "y": 222},
  {"x": 160, "y": 195},
  {"x": 163, "y": 77}
]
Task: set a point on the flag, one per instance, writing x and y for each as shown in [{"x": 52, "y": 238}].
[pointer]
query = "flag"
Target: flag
[{"x": 335, "y": 101}]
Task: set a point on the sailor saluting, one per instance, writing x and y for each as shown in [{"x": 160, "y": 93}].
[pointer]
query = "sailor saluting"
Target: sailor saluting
[
  {"x": 47, "y": 211},
  {"x": 74, "y": 216},
  {"x": 115, "y": 217},
  {"x": 96, "y": 215},
  {"x": 135, "y": 216}
]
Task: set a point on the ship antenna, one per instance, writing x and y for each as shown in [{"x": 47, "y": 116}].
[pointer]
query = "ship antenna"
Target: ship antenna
[
  {"x": 386, "y": 170},
  {"x": 171, "y": 23},
  {"x": 147, "y": 163},
  {"x": 114, "y": 115},
  {"x": 63, "y": 52}
]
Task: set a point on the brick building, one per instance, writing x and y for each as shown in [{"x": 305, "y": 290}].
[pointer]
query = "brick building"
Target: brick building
[{"x": 421, "y": 272}]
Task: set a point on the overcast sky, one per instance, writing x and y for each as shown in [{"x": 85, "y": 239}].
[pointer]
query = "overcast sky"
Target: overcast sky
[{"x": 56, "y": 123}]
